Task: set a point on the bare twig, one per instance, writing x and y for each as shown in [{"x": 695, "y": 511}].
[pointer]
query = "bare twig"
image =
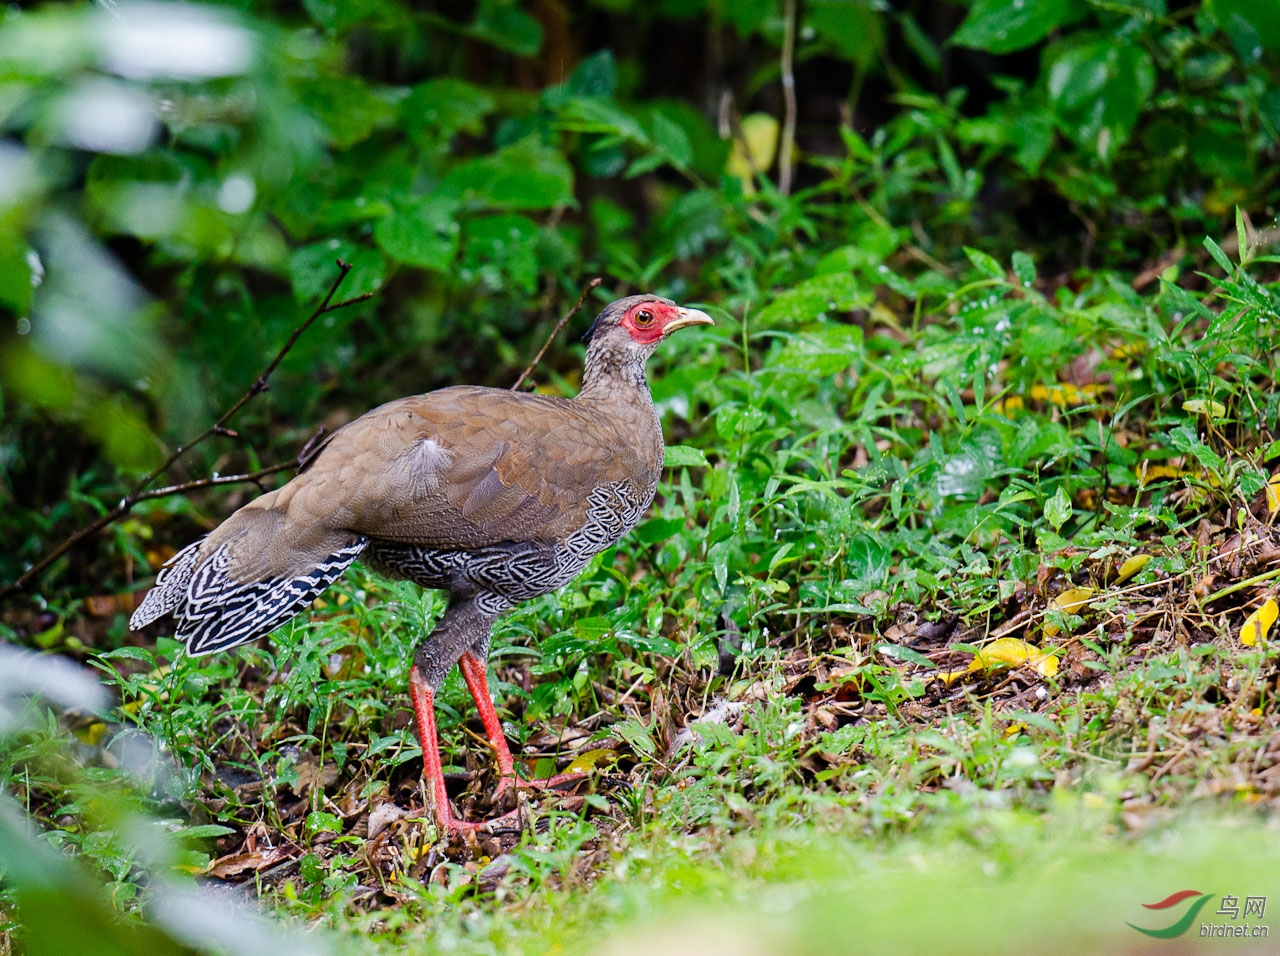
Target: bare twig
[
  {"x": 556, "y": 331},
  {"x": 140, "y": 493},
  {"x": 788, "y": 98}
]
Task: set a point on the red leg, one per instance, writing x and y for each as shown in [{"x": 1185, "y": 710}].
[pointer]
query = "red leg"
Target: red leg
[
  {"x": 432, "y": 767},
  {"x": 473, "y": 672},
  {"x": 424, "y": 708}
]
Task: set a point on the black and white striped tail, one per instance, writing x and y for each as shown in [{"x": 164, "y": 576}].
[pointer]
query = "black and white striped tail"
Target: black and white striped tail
[{"x": 215, "y": 612}]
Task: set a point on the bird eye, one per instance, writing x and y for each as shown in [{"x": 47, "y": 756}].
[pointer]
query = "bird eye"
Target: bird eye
[{"x": 643, "y": 317}]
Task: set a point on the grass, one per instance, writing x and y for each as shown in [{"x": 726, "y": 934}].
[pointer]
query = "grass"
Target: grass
[{"x": 777, "y": 680}]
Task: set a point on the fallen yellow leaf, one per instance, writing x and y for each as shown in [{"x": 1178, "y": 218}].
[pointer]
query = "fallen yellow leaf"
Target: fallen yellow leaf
[
  {"x": 1273, "y": 493},
  {"x": 587, "y": 762},
  {"x": 1132, "y": 567},
  {"x": 1259, "y": 623},
  {"x": 1014, "y": 652},
  {"x": 1199, "y": 406},
  {"x": 91, "y": 734},
  {"x": 1148, "y": 473},
  {"x": 753, "y": 152},
  {"x": 1069, "y": 602},
  {"x": 1063, "y": 394},
  {"x": 1006, "y": 652},
  {"x": 1132, "y": 350}
]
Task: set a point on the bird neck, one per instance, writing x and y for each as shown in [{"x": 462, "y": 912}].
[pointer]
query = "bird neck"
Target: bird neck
[
  {"x": 615, "y": 374},
  {"x": 615, "y": 389}
]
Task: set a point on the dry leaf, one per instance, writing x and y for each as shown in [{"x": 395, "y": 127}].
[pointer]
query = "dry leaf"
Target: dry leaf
[
  {"x": 109, "y": 605},
  {"x": 233, "y": 864},
  {"x": 382, "y": 816},
  {"x": 1259, "y": 623}
]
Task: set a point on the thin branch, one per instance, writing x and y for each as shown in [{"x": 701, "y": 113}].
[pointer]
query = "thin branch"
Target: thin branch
[
  {"x": 184, "y": 487},
  {"x": 788, "y": 98},
  {"x": 139, "y": 491},
  {"x": 556, "y": 331}
]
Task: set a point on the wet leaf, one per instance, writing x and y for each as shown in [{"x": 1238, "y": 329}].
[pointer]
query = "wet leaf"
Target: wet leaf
[
  {"x": 590, "y": 760},
  {"x": 1071, "y": 601},
  {"x": 1132, "y": 567},
  {"x": 683, "y": 456},
  {"x": 1001, "y": 26},
  {"x": 1057, "y": 509},
  {"x": 1258, "y": 624}
]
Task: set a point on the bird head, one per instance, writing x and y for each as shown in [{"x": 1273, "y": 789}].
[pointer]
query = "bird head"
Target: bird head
[{"x": 640, "y": 322}]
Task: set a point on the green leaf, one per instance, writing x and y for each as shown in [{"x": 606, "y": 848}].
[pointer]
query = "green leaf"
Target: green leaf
[
  {"x": 347, "y": 107},
  {"x": 672, "y": 141},
  {"x": 438, "y": 109},
  {"x": 1220, "y": 257},
  {"x": 507, "y": 27},
  {"x": 683, "y": 456},
  {"x": 1248, "y": 23},
  {"x": 1024, "y": 268},
  {"x": 1002, "y": 26},
  {"x": 421, "y": 233},
  {"x": 872, "y": 244},
  {"x": 15, "y": 274},
  {"x": 596, "y": 75},
  {"x": 313, "y": 270},
  {"x": 1097, "y": 89},
  {"x": 644, "y": 164},
  {"x": 659, "y": 529},
  {"x": 837, "y": 292},
  {"x": 338, "y": 16},
  {"x": 651, "y": 643},
  {"x": 984, "y": 263},
  {"x": 204, "y": 831},
  {"x": 502, "y": 248},
  {"x": 854, "y": 28},
  {"x": 636, "y": 736},
  {"x": 1057, "y": 509},
  {"x": 524, "y": 175},
  {"x": 320, "y": 822},
  {"x": 822, "y": 351}
]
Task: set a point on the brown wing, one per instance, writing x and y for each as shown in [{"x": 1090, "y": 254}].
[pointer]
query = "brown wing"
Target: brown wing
[{"x": 468, "y": 467}]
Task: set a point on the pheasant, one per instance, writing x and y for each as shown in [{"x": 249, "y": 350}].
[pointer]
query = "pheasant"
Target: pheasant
[{"x": 493, "y": 496}]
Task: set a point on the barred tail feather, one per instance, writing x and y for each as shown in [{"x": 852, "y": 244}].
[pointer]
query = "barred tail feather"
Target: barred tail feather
[
  {"x": 170, "y": 589},
  {"x": 220, "y": 613}
]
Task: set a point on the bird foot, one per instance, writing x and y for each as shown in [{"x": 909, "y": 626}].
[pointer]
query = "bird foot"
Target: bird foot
[
  {"x": 560, "y": 782},
  {"x": 512, "y": 821},
  {"x": 509, "y": 821}
]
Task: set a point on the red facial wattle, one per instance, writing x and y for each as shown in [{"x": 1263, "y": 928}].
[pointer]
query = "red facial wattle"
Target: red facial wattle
[{"x": 647, "y": 322}]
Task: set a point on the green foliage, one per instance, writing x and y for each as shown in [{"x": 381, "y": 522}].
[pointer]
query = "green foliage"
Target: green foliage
[{"x": 937, "y": 393}]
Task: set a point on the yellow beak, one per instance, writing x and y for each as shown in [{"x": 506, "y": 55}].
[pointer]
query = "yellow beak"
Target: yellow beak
[{"x": 687, "y": 317}]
